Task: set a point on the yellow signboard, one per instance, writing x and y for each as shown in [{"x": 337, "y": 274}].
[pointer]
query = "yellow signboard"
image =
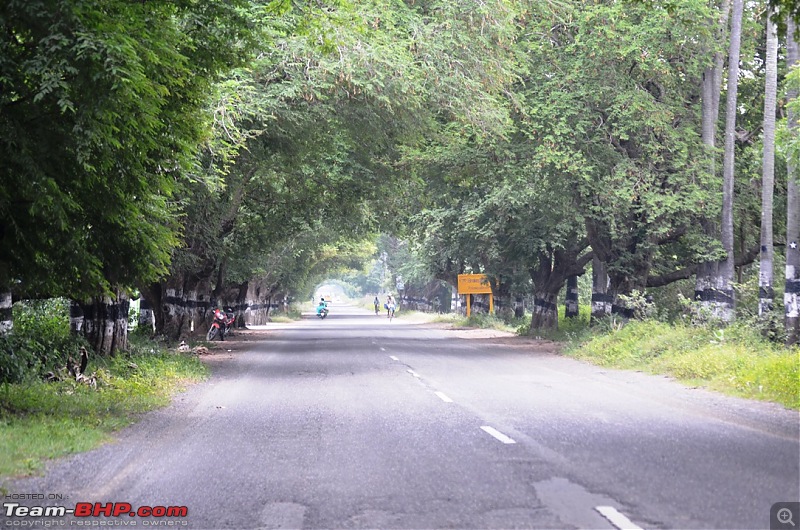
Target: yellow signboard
[{"x": 474, "y": 284}]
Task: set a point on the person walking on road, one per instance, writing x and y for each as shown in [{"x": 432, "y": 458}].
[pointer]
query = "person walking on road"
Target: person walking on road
[
  {"x": 377, "y": 303},
  {"x": 390, "y": 306}
]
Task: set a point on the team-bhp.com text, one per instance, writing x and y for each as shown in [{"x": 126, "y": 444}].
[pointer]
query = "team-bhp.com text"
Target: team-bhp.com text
[{"x": 89, "y": 514}]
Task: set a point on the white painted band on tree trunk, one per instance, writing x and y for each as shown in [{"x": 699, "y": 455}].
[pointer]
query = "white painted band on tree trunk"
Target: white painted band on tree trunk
[
  {"x": 7, "y": 323},
  {"x": 792, "y": 305}
]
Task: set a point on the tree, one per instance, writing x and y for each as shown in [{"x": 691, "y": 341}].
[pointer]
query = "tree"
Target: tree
[
  {"x": 711, "y": 90},
  {"x": 765, "y": 279},
  {"x": 100, "y": 116},
  {"x": 792, "y": 286},
  {"x": 723, "y": 281}
]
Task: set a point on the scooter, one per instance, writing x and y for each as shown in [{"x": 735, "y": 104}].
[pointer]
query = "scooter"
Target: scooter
[
  {"x": 221, "y": 324},
  {"x": 322, "y": 313}
]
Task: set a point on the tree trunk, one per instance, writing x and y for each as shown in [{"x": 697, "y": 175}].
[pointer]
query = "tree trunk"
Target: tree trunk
[
  {"x": 146, "y": 318},
  {"x": 154, "y": 293},
  {"x": 183, "y": 309},
  {"x": 765, "y": 277},
  {"x": 519, "y": 306},
  {"x": 105, "y": 322},
  {"x": 601, "y": 300},
  {"x": 503, "y": 307},
  {"x": 711, "y": 89},
  {"x": 173, "y": 309},
  {"x": 544, "y": 313},
  {"x": 197, "y": 307},
  {"x": 455, "y": 300},
  {"x": 571, "y": 302},
  {"x": 256, "y": 309},
  {"x": 76, "y": 317},
  {"x": 6, "y": 313},
  {"x": 241, "y": 306},
  {"x": 723, "y": 282},
  {"x": 792, "y": 287}
]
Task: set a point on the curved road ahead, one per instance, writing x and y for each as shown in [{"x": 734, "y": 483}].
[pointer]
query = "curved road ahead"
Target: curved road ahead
[{"x": 358, "y": 422}]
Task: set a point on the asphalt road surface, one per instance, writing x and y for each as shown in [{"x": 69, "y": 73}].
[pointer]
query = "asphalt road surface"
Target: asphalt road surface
[{"x": 358, "y": 422}]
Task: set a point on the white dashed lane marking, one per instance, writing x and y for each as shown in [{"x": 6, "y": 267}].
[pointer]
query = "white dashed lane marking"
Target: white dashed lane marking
[
  {"x": 497, "y": 434},
  {"x": 412, "y": 372},
  {"x": 443, "y": 397},
  {"x": 392, "y": 357},
  {"x": 616, "y": 518}
]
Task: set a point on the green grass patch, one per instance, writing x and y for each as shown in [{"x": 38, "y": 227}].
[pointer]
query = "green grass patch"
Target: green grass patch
[
  {"x": 292, "y": 315},
  {"x": 39, "y": 420},
  {"x": 735, "y": 360}
]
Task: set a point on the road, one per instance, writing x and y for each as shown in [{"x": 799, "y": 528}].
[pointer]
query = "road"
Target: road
[{"x": 358, "y": 422}]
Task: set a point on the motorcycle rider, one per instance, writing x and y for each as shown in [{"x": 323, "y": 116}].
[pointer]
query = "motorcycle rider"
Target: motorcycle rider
[{"x": 323, "y": 305}]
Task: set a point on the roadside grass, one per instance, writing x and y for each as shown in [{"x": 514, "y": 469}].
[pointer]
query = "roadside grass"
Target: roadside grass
[
  {"x": 41, "y": 421},
  {"x": 734, "y": 360},
  {"x": 292, "y": 315}
]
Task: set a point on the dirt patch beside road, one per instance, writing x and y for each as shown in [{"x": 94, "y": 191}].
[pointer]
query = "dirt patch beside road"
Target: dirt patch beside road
[
  {"x": 500, "y": 338},
  {"x": 221, "y": 350}
]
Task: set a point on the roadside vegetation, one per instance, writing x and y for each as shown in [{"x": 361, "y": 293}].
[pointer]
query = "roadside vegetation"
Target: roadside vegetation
[
  {"x": 735, "y": 360},
  {"x": 740, "y": 359},
  {"x": 41, "y": 420}
]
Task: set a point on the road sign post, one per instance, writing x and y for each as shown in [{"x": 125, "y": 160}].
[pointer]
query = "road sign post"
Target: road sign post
[{"x": 475, "y": 284}]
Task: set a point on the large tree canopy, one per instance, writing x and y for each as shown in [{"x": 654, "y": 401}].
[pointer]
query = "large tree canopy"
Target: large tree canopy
[
  {"x": 100, "y": 116},
  {"x": 195, "y": 149}
]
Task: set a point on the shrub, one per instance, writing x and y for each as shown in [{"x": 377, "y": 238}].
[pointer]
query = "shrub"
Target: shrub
[{"x": 39, "y": 342}]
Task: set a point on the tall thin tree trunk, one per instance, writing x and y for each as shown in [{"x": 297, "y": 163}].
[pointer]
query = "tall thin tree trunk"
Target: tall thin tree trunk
[
  {"x": 792, "y": 287},
  {"x": 601, "y": 300},
  {"x": 519, "y": 306},
  {"x": 571, "y": 302},
  {"x": 765, "y": 277},
  {"x": 711, "y": 89},
  {"x": 723, "y": 283}
]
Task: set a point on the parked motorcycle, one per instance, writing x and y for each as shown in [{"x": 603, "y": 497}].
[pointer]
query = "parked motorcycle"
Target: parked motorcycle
[{"x": 221, "y": 324}]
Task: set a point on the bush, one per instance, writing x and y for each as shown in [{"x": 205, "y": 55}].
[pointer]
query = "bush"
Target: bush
[{"x": 39, "y": 342}]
